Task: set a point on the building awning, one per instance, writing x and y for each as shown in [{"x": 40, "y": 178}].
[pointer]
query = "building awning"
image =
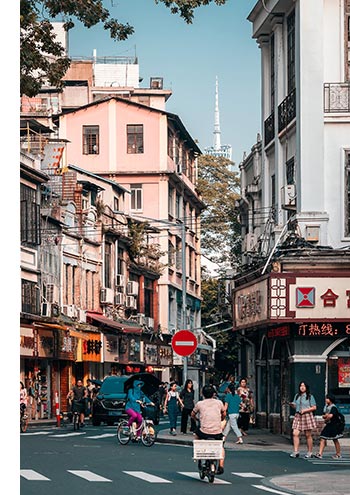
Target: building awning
[
  {"x": 103, "y": 321},
  {"x": 57, "y": 326}
]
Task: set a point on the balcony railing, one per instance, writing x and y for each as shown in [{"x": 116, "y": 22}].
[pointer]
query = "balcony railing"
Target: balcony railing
[
  {"x": 286, "y": 111},
  {"x": 269, "y": 129},
  {"x": 337, "y": 97}
]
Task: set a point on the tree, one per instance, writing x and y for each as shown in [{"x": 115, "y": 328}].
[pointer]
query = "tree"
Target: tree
[
  {"x": 42, "y": 57},
  {"x": 220, "y": 228}
]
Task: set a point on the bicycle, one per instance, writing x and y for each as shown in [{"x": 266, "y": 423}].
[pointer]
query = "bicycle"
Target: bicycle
[
  {"x": 23, "y": 420},
  {"x": 147, "y": 432}
]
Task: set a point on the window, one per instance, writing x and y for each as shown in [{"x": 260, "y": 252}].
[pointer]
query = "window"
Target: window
[
  {"x": 108, "y": 264},
  {"x": 30, "y": 217},
  {"x": 30, "y": 297},
  {"x": 347, "y": 193},
  {"x": 290, "y": 171},
  {"x": 91, "y": 139},
  {"x": 178, "y": 259},
  {"x": 291, "y": 52},
  {"x": 171, "y": 202},
  {"x": 171, "y": 253},
  {"x": 134, "y": 138},
  {"x": 136, "y": 197},
  {"x": 272, "y": 80}
]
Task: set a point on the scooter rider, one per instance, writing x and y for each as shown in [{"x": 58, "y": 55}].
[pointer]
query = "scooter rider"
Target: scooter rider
[{"x": 210, "y": 413}]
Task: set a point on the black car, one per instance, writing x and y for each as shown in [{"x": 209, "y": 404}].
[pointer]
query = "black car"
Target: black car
[{"x": 109, "y": 404}]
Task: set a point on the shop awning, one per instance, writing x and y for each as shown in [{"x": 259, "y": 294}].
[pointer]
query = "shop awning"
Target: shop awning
[
  {"x": 57, "y": 326},
  {"x": 103, "y": 321}
]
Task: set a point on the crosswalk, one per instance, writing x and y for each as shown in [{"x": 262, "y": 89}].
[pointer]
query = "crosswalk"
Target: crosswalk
[{"x": 32, "y": 475}]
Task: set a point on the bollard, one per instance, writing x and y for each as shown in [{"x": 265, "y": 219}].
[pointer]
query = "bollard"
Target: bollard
[{"x": 57, "y": 405}]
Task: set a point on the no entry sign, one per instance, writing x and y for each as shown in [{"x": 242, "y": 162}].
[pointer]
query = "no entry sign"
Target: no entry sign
[{"x": 184, "y": 343}]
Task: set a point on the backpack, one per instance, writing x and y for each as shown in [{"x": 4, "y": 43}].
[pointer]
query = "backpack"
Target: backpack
[{"x": 340, "y": 423}]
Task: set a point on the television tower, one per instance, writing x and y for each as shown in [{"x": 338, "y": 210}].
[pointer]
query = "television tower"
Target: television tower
[{"x": 218, "y": 149}]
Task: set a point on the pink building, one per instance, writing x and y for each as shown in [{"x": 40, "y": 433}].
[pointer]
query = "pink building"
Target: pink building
[{"x": 150, "y": 153}]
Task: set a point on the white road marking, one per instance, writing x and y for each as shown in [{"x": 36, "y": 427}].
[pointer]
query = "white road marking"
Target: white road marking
[
  {"x": 36, "y": 433},
  {"x": 271, "y": 490},
  {"x": 104, "y": 435},
  {"x": 249, "y": 475},
  {"x": 195, "y": 475},
  {"x": 88, "y": 475},
  {"x": 64, "y": 435},
  {"x": 31, "y": 475},
  {"x": 147, "y": 477}
]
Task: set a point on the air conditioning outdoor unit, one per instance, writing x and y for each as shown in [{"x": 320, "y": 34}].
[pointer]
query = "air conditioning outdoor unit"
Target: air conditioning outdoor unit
[
  {"x": 149, "y": 322},
  {"x": 250, "y": 242},
  {"x": 132, "y": 288},
  {"x": 120, "y": 298},
  {"x": 107, "y": 296},
  {"x": 131, "y": 302},
  {"x": 82, "y": 315},
  {"x": 140, "y": 318},
  {"x": 45, "y": 309},
  {"x": 70, "y": 310},
  {"x": 288, "y": 198},
  {"x": 119, "y": 280}
]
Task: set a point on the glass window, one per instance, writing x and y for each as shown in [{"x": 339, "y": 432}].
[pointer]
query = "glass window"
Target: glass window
[
  {"x": 134, "y": 138},
  {"x": 91, "y": 139},
  {"x": 272, "y": 63},
  {"x": 30, "y": 217},
  {"x": 347, "y": 193},
  {"x": 136, "y": 197},
  {"x": 290, "y": 171},
  {"x": 291, "y": 51},
  {"x": 108, "y": 264}
]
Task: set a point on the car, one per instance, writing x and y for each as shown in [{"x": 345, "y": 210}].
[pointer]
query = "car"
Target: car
[{"x": 109, "y": 404}]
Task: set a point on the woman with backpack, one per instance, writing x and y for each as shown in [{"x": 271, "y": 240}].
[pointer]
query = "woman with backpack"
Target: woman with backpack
[{"x": 331, "y": 429}]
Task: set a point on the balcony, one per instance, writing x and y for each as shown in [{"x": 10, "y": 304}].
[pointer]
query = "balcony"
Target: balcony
[
  {"x": 269, "y": 129},
  {"x": 286, "y": 111},
  {"x": 337, "y": 97}
]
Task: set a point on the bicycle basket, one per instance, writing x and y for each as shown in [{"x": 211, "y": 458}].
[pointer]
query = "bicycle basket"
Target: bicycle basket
[{"x": 207, "y": 449}]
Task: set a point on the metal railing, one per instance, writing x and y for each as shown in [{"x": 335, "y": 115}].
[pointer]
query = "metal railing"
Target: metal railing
[
  {"x": 337, "y": 97},
  {"x": 286, "y": 111}
]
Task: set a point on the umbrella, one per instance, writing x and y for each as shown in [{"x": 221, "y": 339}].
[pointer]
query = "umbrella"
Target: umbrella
[{"x": 150, "y": 383}]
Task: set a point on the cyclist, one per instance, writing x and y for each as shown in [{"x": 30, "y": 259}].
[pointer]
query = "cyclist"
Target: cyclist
[
  {"x": 135, "y": 399},
  {"x": 78, "y": 394},
  {"x": 210, "y": 411}
]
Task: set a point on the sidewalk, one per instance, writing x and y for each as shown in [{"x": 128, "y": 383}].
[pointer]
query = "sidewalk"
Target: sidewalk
[{"x": 312, "y": 483}]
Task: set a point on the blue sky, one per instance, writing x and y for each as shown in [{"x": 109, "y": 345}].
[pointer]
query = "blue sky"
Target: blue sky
[{"x": 189, "y": 57}]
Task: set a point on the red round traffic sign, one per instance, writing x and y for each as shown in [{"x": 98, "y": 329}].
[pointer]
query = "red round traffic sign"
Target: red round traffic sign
[{"x": 184, "y": 343}]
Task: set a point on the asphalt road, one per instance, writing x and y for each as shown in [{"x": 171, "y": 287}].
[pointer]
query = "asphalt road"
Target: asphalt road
[{"x": 63, "y": 462}]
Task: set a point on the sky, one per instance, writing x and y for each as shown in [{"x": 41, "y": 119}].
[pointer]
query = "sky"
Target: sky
[{"x": 189, "y": 57}]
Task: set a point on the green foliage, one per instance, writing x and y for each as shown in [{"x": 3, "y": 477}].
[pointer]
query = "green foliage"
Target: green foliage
[
  {"x": 42, "y": 57},
  {"x": 220, "y": 228},
  {"x": 141, "y": 251}
]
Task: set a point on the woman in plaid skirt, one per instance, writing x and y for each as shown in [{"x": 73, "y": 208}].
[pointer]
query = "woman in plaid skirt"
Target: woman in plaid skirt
[{"x": 304, "y": 422}]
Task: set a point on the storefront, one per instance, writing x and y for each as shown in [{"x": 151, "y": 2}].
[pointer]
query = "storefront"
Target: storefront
[{"x": 292, "y": 328}]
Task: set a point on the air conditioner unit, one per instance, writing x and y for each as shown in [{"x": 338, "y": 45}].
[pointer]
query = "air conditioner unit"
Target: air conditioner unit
[
  {"x": 119, "y": 298},
  {"x": 132, "y": 288},
  {"x": 131, "y": 302},
  {"x": 250, "y": 242},
  {"x": 119, "y": 280},
  {"x": 149, "y": 322},
  {"x": 70, "y": 310},
  {"x": 82, "y": 315},
  {"x": 140, "y": 318},
  {"x": 107, "y": 296},
  {"x": 45, "y": 309},
  {"x": 288, "y": 198}
]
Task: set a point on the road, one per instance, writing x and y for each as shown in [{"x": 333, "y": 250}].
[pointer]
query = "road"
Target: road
[{"x": 64, "y": 462}]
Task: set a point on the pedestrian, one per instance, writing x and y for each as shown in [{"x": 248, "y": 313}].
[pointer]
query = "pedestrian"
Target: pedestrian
[
  {"x": 23, "y": 397},
  {"x": 78, "y": 395},
  {"x": 246, "y": 407},
  {"x": 90, "y": 395},
  {"x": 171, "y": 405},
  {"x": 232, "y": 403},
  {"x": 161, "y": 396},
  {"x": 330, "y": 431},
  {"x": 304, "y": 422},
  {"x": 187, "y": 397}
]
